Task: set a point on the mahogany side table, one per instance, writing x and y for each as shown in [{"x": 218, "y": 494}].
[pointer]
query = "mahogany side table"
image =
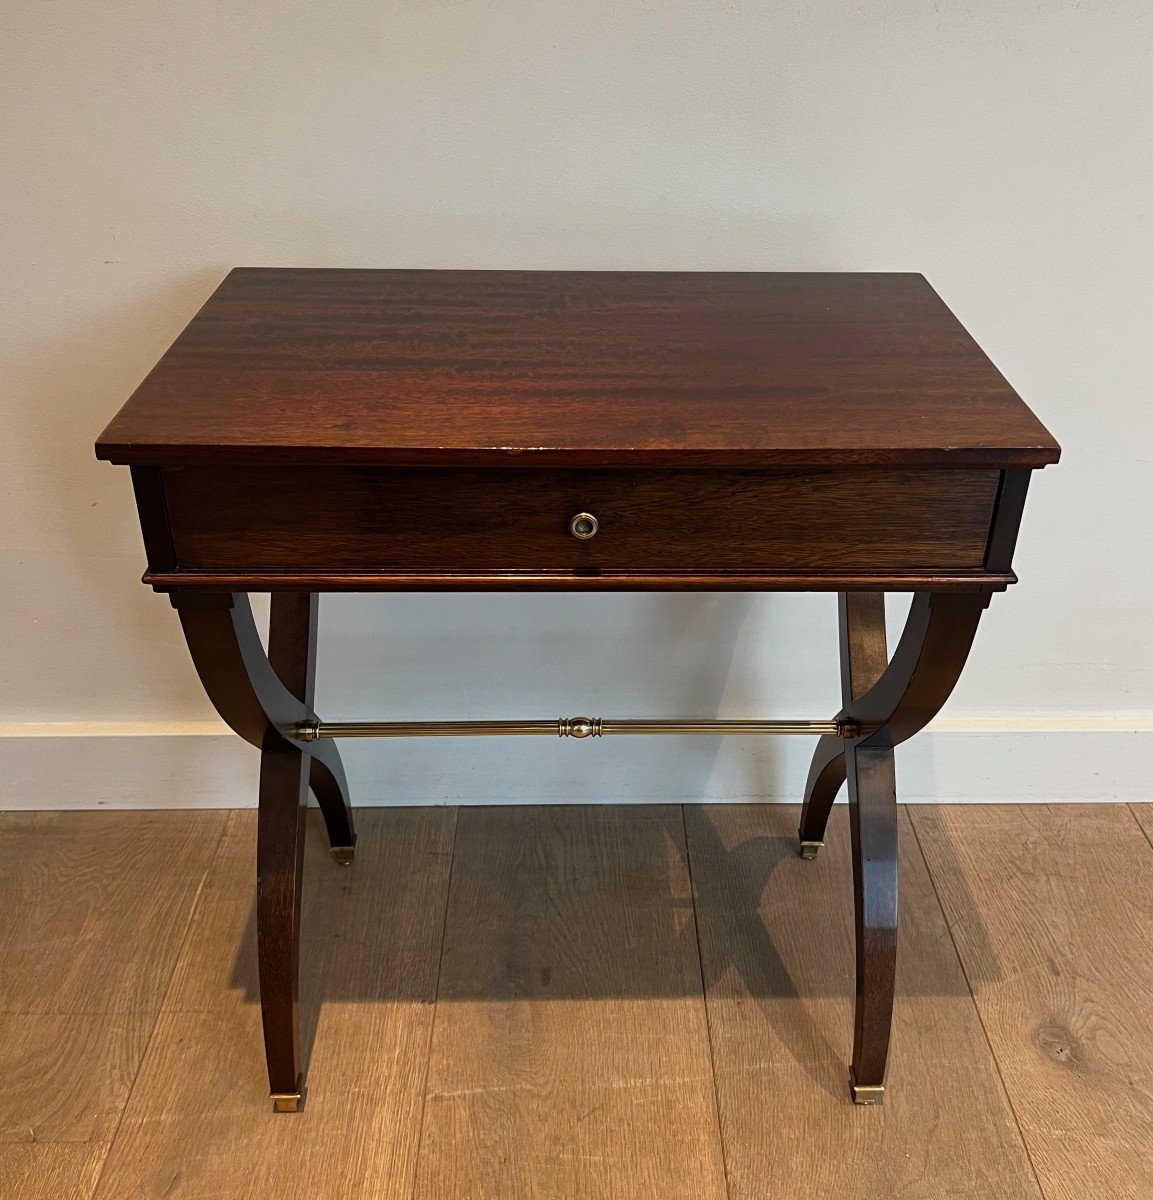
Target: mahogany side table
[{"x": 324, "y": 430}]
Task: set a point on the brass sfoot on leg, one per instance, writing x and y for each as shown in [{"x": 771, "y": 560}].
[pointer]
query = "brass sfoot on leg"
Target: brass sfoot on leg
[
  {"x": 809, "y": 849},
  {"x": 866, "y": 1093},
  {"x": 288, "y": 1102},
  {"x": 343, "y": 854}
]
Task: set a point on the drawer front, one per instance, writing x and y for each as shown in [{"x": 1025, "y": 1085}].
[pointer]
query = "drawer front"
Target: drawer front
[{"x": 349, "y": 519}]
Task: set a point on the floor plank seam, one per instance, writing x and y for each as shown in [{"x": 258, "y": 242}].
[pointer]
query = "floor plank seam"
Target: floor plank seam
[
  {"x": 435, "y": 1007},
  {"x": 1144, "y": 831},
  {"x": 176, "y": 958},
  {"x": 705, "y": 1003},
  {"x": 976, "y": 1007}
]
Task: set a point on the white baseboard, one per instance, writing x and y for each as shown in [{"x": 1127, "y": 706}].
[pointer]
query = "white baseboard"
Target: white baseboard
[{"x": 201, "y": 765}]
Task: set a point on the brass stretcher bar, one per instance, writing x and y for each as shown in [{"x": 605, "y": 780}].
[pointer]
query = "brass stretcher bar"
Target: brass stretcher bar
[{"x": 576, "y": 727}]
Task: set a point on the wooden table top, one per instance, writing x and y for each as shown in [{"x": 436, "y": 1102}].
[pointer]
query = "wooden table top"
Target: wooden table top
[{"x": 576, "y": 368}]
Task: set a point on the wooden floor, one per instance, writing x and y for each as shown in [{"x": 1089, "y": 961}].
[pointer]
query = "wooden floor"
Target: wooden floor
[{"x": 578, "y": 1002}]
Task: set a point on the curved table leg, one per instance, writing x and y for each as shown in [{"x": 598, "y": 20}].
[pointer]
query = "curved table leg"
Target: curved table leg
[
  {"x": 330, "y": 787},
  {"x": 873, "y": 821},
  {"x": 864, "y": 658},
  {"x": 260, "y": 696},
  {"x": 279, "y": 874},
  {"x": 292, "y": 653},
  {"x": 890, "y": 702},
  {"x": 903, "y": 695},
  {"x": 240, "y": 681},
  {"x": 826, "y": 774}
]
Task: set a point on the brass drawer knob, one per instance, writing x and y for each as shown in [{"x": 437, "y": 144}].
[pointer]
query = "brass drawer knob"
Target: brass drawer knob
[{"x": 583, "y": 526}]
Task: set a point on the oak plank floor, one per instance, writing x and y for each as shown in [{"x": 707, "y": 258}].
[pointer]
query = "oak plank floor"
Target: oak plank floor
[
  {"x": 1052, "y": 911},
  {"x": 199, "y": 1124},
  {"x": 777, "y": 946},
  {"x": 44, "y": 1098},
  {"x": 103, "y": 900},
  {"x": 1144, "y": 816},
  {"x": 570, "y": 1056},
  {"x": 96, "y": 906},
  {"x": 571, "y": 1052},
  {"x": 50, "y": 1171}
]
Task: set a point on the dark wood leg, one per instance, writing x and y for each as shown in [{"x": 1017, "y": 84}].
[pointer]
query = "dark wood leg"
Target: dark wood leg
[
  {"x": 873, "y": 820},
  {"x": 895, "y": 700},
  {"x": 330, "y": 787},
  {"x": 890, "y": 701},
  {"x": 292, "y": 653},
  {"x": 279, "y": 862},
  {"x": 235, "y": 671},
  {"x": 864, "y": 657},
  {"x": 826, "y": 774},
  {"x": 262, "y": 698}
]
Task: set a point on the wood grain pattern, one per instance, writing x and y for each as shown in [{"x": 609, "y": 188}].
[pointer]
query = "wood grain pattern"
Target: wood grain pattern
[
  {"x": 864, "y": 647},
  {"x": 1143, "y": 813},
  {"x": 334, "y": 519},
  {"x": 50, "y": 1172},
  {"x": 97, "y": 905},
  {"x": 1051, "y": 909},
  {"x": 47, "y": 1096},
  {"x": 575, "y": 992},
  {"x": 570, "y": 1055},
  {"x": 102, "y": 914},
  {"x": 777, "y": 946},
  {"x": 576, "y": 368},
  {"x": 199, "y": 1125}
]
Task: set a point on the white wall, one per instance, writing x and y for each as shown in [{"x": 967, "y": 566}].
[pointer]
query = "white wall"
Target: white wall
[{"x": 1002, "y": 147}]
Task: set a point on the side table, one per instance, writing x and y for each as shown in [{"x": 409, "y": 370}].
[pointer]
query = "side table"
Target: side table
[{"x": 378, "y": 430}]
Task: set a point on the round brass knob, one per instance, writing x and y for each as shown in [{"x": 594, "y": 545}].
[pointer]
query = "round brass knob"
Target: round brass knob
[{"x": 583, "y": 526}]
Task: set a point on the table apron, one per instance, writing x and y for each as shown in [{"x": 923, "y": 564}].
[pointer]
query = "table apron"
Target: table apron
[{"x": 368, "y": 528}]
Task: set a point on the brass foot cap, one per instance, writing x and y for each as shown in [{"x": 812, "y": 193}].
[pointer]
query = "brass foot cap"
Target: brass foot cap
[
  {"x": 867, "y": 1093},
  {"x": 287, "y": 1102},
  {"x": 809, "y": 849},
  {"x": 343, "y": 854}
]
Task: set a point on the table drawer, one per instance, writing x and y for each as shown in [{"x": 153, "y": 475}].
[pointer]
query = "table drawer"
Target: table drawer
[{"x": 429, "y": 520}]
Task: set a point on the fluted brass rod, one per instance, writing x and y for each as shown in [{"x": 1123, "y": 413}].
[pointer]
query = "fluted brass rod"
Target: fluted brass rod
[{"x": 577, "y": 727}]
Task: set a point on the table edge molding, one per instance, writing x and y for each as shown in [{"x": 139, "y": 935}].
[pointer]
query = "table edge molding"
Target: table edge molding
[{"x": 271, "y": 581}]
